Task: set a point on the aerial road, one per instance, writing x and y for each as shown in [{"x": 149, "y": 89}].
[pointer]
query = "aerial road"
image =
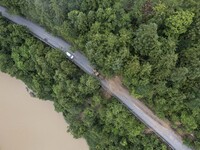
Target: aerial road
[{"x": 135, "y": 106}]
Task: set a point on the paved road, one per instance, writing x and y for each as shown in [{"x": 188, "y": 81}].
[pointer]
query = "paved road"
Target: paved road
[{"x": 135, "y": 106}]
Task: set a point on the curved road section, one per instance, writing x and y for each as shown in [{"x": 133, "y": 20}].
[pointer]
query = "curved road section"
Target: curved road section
[{"x": 135, "y": 106}]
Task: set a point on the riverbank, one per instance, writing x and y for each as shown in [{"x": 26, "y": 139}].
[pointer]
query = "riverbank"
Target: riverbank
[{"x": 27, "y": 123}]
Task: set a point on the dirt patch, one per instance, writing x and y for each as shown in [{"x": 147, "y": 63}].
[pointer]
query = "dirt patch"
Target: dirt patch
[
  {"x": 115, "y": 85},
  {"x": 148, "y": 131},
  {"x": 106, "y": 94}
]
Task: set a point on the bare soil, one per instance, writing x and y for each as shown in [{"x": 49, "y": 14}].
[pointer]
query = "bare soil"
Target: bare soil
[{"x": 115, "y": 85}]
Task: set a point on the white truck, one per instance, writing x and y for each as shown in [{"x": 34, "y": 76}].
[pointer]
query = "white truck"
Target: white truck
[{"x": 70, "y": 55}]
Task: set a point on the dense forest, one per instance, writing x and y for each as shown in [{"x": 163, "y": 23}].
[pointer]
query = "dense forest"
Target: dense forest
[
  {"x": 90, "y": 111},
  {"x": 153, "y": 45}
]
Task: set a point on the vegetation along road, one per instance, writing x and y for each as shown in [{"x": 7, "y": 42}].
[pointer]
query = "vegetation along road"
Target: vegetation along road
[{"x": 136, "y": 107}]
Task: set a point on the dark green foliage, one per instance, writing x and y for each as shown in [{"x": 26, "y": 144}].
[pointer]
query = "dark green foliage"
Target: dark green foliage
[
  {"x": 152, "y": 44},
  {"x": 105, "y": 123}
]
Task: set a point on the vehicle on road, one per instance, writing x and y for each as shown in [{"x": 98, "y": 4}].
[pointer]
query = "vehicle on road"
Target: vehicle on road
[
  {"x": 70, "y": 55},
  {"x": 96, "y": 73}
]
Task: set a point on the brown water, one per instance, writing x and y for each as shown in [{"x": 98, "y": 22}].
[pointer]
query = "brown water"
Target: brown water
[{"x": 27, "y": 123}]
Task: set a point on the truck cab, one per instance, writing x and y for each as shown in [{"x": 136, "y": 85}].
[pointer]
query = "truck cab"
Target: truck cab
[{"x": 96, "y": 73}]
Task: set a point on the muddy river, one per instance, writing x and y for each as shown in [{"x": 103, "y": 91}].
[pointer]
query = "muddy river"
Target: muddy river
[{"x": 27, "y": 123}]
